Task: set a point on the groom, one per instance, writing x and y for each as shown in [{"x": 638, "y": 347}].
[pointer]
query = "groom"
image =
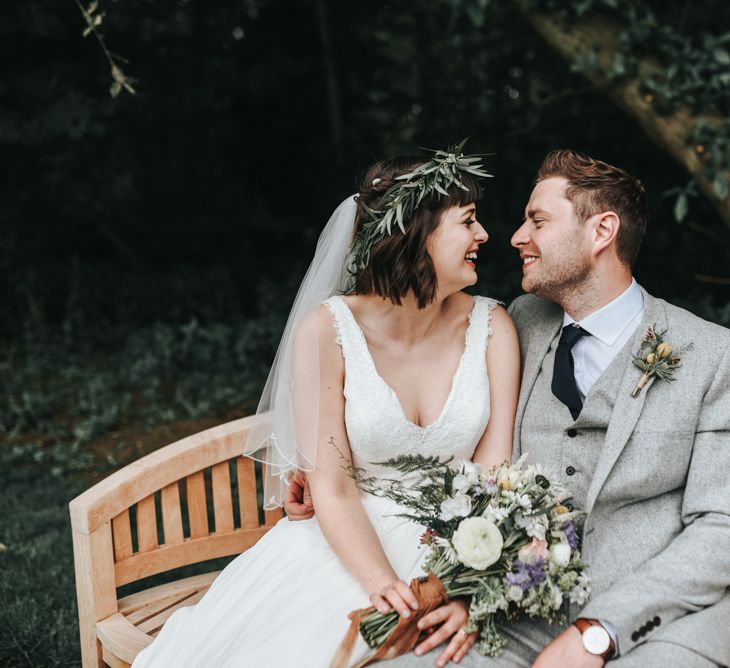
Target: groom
[{"x": 652, "y": 471}]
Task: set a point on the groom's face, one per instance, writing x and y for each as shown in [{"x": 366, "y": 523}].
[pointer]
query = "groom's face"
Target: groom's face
[{"x": 553, "y": 244}]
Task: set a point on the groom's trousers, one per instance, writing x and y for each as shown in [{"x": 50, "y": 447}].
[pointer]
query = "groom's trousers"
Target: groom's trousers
[{"x": 526, "y": 640}]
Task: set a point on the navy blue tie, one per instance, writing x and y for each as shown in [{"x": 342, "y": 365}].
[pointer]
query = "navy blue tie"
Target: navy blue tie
[{"x": 564, "y": 386}]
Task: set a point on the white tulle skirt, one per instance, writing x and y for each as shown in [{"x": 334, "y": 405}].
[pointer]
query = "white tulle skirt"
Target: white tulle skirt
[{"x": 283, "y": 602}]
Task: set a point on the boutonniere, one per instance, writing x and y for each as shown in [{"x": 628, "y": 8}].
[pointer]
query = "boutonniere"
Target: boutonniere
[{"x": 656, "y": 358}]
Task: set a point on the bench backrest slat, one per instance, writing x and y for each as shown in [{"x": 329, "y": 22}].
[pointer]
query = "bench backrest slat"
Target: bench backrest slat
[
  {"x": 247, "y": 493},
  {"x": 146, "y": 524},
  {"x": 172, "y": 514},
  {"x": 222, "y": 497},
  {"x": 122, "y": 535},
  {"x": 197, "y": 505}
]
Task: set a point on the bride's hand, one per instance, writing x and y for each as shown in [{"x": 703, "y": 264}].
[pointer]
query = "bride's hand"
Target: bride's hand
[
  {"x": 396, "y": 595},
  {"x": 452, "y": 619}
]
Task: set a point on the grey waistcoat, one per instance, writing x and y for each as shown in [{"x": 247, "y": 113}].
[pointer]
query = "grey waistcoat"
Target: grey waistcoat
[{"x": 569, "y": 448}]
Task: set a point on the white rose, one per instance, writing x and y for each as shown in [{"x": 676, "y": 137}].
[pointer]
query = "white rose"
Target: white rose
[
  {"x": 461, "y": 483},
  {"x": 457, "y": 506},
  {"x": 560, "y": 554},
  {"x": 478, "y": 542}
]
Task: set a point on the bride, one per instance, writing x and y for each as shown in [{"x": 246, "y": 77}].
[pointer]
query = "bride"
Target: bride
[{"x": 383, "y": 354}]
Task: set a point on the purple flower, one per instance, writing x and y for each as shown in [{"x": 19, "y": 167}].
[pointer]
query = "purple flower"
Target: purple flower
[
  {"x": 570, "y": 534},
  {"x": 526, "y": 575}
]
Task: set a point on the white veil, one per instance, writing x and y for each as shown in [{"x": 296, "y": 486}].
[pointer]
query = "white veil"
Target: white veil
[{"x": 273, "y": 440}]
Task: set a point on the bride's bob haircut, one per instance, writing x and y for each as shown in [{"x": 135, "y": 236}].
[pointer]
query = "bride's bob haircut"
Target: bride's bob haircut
[{"x": 401, "y": 262}]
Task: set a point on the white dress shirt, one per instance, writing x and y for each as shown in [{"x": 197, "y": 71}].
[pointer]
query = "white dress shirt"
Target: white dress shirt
[{"x": 610, "y": 327}]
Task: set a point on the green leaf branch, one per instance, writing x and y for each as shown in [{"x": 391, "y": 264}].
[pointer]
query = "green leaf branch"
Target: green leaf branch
[{"x": 94, "y": 19}]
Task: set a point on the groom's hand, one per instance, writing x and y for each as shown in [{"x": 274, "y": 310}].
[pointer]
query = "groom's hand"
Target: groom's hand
[
  {"x": 567, "y": 651},
  {"x": 298, "y": 500},
  {"x": 443, "y": 623}
]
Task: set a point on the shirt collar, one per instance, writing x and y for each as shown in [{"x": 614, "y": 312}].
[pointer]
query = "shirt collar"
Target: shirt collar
[{"x": 607, "y": 323}]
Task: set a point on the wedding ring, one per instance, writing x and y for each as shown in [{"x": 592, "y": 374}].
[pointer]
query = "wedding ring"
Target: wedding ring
[{"x": 463, "y": 632}]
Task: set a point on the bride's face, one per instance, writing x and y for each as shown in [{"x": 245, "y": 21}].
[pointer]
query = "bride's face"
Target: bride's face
[{"x": 453, "y": 248}]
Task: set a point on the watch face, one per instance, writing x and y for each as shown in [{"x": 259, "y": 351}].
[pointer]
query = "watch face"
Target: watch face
[{"x": 596, "y": 640}]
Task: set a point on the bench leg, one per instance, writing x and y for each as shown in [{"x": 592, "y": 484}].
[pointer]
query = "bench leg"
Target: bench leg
[{"x": 95, "y": 590}]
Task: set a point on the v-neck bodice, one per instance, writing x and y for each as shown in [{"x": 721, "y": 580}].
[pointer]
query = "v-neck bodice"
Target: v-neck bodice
[{"x": 377, "y": 426}]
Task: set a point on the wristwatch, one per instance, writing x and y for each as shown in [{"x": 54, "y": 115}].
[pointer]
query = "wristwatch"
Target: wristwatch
[{"x": 596, "y": 640}]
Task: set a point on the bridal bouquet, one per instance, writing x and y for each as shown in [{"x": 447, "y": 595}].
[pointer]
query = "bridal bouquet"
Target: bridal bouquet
[{"x": 502, "y": 538}]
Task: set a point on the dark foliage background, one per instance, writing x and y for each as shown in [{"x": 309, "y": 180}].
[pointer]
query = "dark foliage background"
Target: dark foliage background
[
  {"x": 150, "y": 244},
  {"x": 179, "y": 201}
]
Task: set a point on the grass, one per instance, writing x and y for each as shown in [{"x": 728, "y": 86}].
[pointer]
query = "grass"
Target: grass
[{"x": 38, "y": 625}]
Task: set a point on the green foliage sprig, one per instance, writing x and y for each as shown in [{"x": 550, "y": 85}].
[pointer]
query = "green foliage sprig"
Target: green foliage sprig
[
  {"x": 402, "y": 199},
  {"x": 94, "y": 19}
]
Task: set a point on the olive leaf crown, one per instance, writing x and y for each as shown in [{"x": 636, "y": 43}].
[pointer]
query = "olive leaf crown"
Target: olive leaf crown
[{"x": 403, "y": 198}]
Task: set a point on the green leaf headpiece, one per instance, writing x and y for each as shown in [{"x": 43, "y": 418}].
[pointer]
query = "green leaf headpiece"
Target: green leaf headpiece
[{"x": 402, "y": 199}]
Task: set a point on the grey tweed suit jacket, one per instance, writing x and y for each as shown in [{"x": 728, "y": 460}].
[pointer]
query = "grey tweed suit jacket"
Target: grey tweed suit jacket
[{"x": 657, "y": 531}]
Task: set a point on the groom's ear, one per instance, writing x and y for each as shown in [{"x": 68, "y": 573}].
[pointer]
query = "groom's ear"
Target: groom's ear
[{"x": 606, "y": 226}]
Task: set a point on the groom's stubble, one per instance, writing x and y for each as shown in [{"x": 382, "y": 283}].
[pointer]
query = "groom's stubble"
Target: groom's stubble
[{"x": 562, "y": 274}]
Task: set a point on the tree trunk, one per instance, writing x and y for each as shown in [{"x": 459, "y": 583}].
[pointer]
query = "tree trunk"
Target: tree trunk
[
  {"x": 578, "y": 40},
  {"x": 333, "y": 94}
]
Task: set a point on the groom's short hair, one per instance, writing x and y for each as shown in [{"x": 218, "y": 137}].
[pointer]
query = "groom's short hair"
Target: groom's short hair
[{"x": 595, "y": 186}]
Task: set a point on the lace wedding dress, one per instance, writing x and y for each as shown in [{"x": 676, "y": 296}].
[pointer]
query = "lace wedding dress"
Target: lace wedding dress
[{"x": 285, "y": 601}]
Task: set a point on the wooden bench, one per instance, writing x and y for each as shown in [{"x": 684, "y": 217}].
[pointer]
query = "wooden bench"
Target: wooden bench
[{"x": 153, "y": 516}]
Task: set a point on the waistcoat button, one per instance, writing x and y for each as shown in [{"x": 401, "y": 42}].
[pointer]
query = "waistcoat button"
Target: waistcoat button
[
  {"x": 572, "y": 433},
  {"x": 570, "y": 470}
]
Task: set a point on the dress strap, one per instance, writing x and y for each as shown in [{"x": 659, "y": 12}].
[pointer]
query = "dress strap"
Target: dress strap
[
  {"x": 339, "y": 316},
  {"x": 480, "y": 325}
]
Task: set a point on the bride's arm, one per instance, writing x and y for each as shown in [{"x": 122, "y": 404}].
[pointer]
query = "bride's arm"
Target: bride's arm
[
  {"x": 503, "y": 370},
  {"x": 340, "y": 513}
]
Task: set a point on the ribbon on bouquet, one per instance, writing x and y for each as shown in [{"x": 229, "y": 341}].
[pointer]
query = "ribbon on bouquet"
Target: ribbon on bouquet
[{"x": 430, "y": 593}]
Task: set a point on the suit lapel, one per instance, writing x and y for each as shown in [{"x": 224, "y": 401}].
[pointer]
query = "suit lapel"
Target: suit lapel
[
  {"x": 538, "y": 347},
  {"x": 626, "y": 409}
]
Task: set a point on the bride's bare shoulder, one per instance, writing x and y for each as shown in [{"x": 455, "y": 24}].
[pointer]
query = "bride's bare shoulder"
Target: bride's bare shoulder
[{"x": 318, "y": 327}]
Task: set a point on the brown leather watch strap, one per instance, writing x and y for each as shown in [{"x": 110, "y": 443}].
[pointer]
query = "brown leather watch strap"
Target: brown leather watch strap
[{"x": 583, "y": 623}]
